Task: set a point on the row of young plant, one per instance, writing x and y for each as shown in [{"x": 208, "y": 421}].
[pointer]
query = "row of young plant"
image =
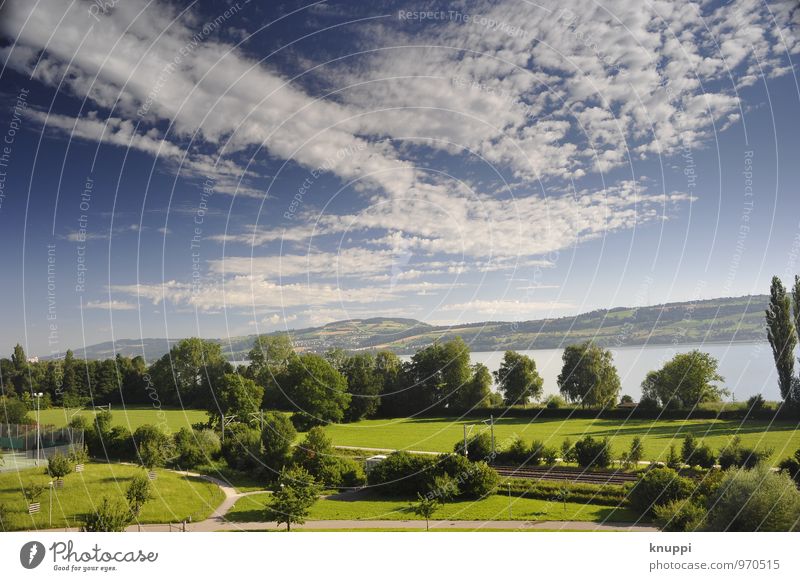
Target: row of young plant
[{"x": 589, "y": 452}]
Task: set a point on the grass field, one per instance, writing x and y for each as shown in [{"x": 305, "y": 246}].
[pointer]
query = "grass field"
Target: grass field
[
  {"x": 495, "y": 507},
  {"x": 131, "y": 417},
  {"x": 175, "y": 497},
  {"x": 440, "y": 434}
]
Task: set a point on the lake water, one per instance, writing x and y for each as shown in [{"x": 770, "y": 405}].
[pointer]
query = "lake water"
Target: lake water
[{"x": 748, "y": 368}]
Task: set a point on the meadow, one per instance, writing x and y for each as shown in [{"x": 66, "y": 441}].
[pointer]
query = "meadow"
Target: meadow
[
  {"x": 131, "y": 417},
  {"x": 441, "y": 434},
  {"x": 174, "y": 497},
  {"x": 367, "y": 506}
]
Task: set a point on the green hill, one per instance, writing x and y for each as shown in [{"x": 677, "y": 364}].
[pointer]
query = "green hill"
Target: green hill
[{"x": 714, "y": 320}]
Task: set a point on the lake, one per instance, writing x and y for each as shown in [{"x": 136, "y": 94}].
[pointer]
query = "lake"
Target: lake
[{"x": 748, "y": 368}]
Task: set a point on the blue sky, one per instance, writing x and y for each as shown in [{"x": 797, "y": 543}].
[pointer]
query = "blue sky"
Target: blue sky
[{"x": 226, "y": 168}]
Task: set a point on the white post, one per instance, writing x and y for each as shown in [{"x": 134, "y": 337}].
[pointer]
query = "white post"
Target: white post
[
  {"x": 491, "y": 424},
  {"x": 51, "y": 504}
]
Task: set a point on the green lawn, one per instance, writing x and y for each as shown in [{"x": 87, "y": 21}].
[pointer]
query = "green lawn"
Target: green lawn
[
  {"x": 130, "y": 417},
  {"x": 495, "y": 507},
  {"x": 175, "y": 497},
  {"x": 440, "y": 434}
]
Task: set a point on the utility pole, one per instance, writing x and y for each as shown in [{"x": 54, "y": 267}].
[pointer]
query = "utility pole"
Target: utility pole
[{"x": 38, "y": 396}]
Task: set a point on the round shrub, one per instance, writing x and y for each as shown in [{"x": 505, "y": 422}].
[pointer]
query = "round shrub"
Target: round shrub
[
  {"x": 679, "y": 515},
  {"x": 403, "y": 474},
  {"x": 242, "y": 447},
  {"x": 591, "y": 453},
  {"x": 754, "y": 500},
  {"x": 479, "y": 447},
  {"x": 656, "y": 487},
  {"x": 554, "y": 402},
  {"x": 702, "y": 456},
  {"x": 482, "y": 480}
]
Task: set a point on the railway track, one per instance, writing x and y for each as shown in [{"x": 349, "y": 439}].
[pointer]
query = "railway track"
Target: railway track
[{"x": 577, "y": 476}]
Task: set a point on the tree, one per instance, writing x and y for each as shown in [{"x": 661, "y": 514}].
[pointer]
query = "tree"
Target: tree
[
  {"x": 658, "y": 486},
  {"x": 754, "y": 500},
  {"x": 591, "y": 453},
  {"x": 236, "y": 396},
  {"x": 313, "y": 451},
  {"x": 293, "y": 496},
  {"x": 138, "y": 493},
  {"x": 277, "y": 438},
  {"x": 269, "y": 352},
  {"x": 476, "y": 392},
  {"x": 188, "y": 373},
  {"x": 20, "y": 362},
  {"x": 685, "y": 381},
  {"x": 108, "y": 517},
  {"x": 479, "y": 447},
  {"x": 425, "y": 507},
  {"x": 364, "y": 383},
  {"x": 517, "y": 379},
  {"x": 588, "y": 375},
  {"x": 153, "y": 447},
  {"x": 688, "y": 448},
  {"x": 59, "y": 466},
  {"x": 635, "y": 453},
  {"x": 781, "y": 334},
  {"x": 318, "y": 392}
]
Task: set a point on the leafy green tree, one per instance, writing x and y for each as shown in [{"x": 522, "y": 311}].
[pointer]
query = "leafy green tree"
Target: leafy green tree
[
  {"x": 153, "y": 447},
  {"x": 59, "y": 466},
  {"x": 242, "y": 448},
  {"x": 236, "y": 396},
  {"x": 189, "y": 372},
  {"x": 591, "y": 453},
  {"x": 755, "y": 500},
  {"x": 270, "y": 352},
  {"x": 479, "y": 447},
  {"x": 688, "y": 448},
  {"x": 791, "y": 466},
  {"x": 312, "y": 453},
  {"x": 318, "y": 392},
  {"x": 476, "y": 392},
  {"x": 674, "y": 459},
  {"x": 295, "y": 493},
  {"x": 517, "y": 379},
  {"x": 658, "y": 486},
  {"x": 588, "y": 375},
  {"x": 782, "y": 335},
  {"x": 20, "y": 376},
  {"x": 679, "y": 515},
  {"x": 277, "y": 438},
  {"x": 364, "y": 383},
  {"x": 139, "y": 491},
  {"x": 13, "y": 411},
  {"x": 108, "y": 517},
  {"x": 685, "y": 381},
  {"x": 425, "y": 507}
]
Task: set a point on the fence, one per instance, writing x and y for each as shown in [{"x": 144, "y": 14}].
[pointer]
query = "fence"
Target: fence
[{"x": 52, "y": 440}]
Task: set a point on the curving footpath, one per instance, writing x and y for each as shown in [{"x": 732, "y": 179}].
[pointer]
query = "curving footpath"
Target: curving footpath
[{"x": 218, "y": 522}]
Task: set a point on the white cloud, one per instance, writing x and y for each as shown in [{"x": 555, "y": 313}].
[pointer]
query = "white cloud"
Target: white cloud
[
  {"x": 112, "y": 305},
  {"x": 512, "y": 309}
]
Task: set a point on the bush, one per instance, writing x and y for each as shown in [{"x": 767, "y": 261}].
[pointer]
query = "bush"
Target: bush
[
  {"x": 679, "y": 515},
  {"x": 735, "y": 456},
  {"x": 549, "y": 456},
  {"x": 195, "y": 447},
  {"x": 403, "y": 474},
  {"x": 791, "y": 466},
  {"x": 702, "y": 456},
  {"x": 568, "y": 451},
  {"x": 242, "y": 447},
  {"x": 444, "y": 487},
  {"x": 479, "y": 447},
  {"x": 119, "y": 444},
  {"x": 673, "y": 460},
  {"x": 482, "y": 480},
  {"x": 312, "y": 453},
  {"x": 688, "y": 448},
  {"x": 591, "y": 453},
  {"x": 648, "y": 403},
  {"x": 277, "y": 439},
  {"x": 554, "y": 402},
  {"x": 516, "y": 453},
  {"x": 78, "y": 455},
  {"x": 754, "y": 500},
  {"x": 109, "y": 517},
  {"x": 656, "y": 487},
  {"x": 335, "y": 471},
  {"x": 13, "y": 411},
  {"x": 756, "y": 403},
  {"x": 153, "y": 447}
]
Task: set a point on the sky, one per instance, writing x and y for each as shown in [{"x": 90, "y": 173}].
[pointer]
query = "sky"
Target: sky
[{"x": 226, "y": 168}]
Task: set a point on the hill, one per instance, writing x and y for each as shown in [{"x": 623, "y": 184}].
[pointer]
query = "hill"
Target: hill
[{"x": 714, "y": 320}]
